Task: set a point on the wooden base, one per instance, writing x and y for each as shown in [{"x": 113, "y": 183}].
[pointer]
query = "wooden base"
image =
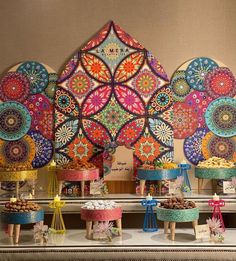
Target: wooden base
[
  {"x": 14, "y": 231},
  {"x": 142, "y": 186},
  {"x": 172, "y": 226},
  {"x": 91, "y": 224},
  {"x": 213, "y": 185}
]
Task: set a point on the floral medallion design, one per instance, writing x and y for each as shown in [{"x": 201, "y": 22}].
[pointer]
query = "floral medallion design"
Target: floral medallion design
[
  {"x": 185, "y": 120},
  {"x": 26, "y": 114},
  {"x": 220, "y": 82},
  {"x": 123, "y": 97},
  {"x": 14, "y": 87},
  {"x": 221, "y": 147}
]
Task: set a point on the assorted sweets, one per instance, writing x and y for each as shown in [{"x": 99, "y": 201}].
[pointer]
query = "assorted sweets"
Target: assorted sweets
[
  {"x": 100, "y": 204},
  {"x": 79, "y": 165},
  {"x": 159, "y": 165},
  {"x": 215, "y": 162},
  {"x": 16, "y": 166},
  {"x": 177, "y": 203},
  {"x": 21, "y": 205}
]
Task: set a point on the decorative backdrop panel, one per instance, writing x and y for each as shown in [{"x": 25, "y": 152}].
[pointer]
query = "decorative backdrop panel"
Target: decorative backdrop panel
[
  {"x": 113, "y": 91},
  {"x": 205, "y": 109},
  {"x": 26, "y": 115}
]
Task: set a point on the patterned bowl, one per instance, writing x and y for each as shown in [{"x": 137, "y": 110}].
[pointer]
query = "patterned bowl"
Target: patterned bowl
[
  {"x": 177, "y": 215},
  {"x": 22, "y": 217},
  {"x": 19, "y": 175},
  {"x": 101, "y": 214},
  {"x": 77, "y": 175},
  {"x": 157, "y": 174},
  {"x": 215, "y": 173}
]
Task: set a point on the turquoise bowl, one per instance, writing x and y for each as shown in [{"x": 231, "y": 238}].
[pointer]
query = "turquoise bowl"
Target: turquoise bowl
[
  {"x": 22, "y": 217},
  {"x": 215, "y": 173},
  {"x": 177, "y": 215},
  {"x": 157, "y": 174}
]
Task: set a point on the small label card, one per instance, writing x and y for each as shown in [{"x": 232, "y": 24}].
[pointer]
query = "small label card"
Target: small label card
[
  {"x": 94, "y": 188},
  {"x": 202, "y": 232},
  {"x": 228, "y": 188}
]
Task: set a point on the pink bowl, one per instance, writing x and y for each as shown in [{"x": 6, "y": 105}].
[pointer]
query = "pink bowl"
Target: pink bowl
[
  {"x": 101, "y": 214},
  {"x": 77, "y": 175}
]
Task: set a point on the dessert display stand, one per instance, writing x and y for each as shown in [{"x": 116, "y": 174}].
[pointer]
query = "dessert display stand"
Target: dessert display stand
[
  {"x": 173, "y": 216},
  {"x": 94, "y": 216},
  {"x": 17, "y": 176},
  {"x": 76, "y": 175},
  {"x": 155, "y": 175},
  {"x": 213, "y": 174},
  {"x": 15, "y": 220}
]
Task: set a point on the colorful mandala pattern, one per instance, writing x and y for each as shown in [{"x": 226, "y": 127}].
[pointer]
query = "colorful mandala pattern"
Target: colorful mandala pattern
[
  {"x": 127, "y": 102},
  {"x": 41, "y": 112},
  {"x": 37, "y": 75},
  {"x": 220, "y": 82},
  {"x": 220, "y": 117},
  {"x": 162, "y": 131},
  {"x": 65, "y": 132},
  {"x": 66, "y": 103},
  {"x": 14, "y": 87},
  {"x": 161, "y": 101},
  {"x": 146, "y": 83},
  {"x": 197, "y": 71},
  {"x": 185, "y": 120},
  {"x": 193, "y": 146},
  {"x": 147, "y": 149},
  {"x": 213, "y": 145},
  {"x": 17, "y": 151},
  {"x": 15, "y": 120},
  {"x": 44, "y": 149},
  {"x": 79, "y": 84},
  {"x": 199, "y": 101},
  {"x": 180, "y": 86}
]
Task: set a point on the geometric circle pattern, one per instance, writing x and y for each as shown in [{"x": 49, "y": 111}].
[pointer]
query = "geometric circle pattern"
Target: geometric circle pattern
[
  {"x": 185, "y": 120},
  {"x": 22, "y": 150},
  {"x": 220, "y": 82},
  {"x": 213, "y": 145},
  {"x": 220, "y": 117},
  {"x": 193, "y": 146},
  {"x": 37, "y": 75},
  {"x": 112, "y": 90},
  {"x": 15, "y": 120},
  {"x": 14, "y": 87},
  {"x": 180, "y": 86},
  {"x": 197, "y": 71}
]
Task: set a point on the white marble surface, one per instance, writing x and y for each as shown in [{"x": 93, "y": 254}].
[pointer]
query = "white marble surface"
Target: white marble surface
[{"x": 130, "y": 238}]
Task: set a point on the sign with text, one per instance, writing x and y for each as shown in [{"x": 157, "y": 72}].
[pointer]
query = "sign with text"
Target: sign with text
[
  {"x": 202, "y": 231},
  {"x": 228, "y": 188},
  {"x": 119, "y": 165}
]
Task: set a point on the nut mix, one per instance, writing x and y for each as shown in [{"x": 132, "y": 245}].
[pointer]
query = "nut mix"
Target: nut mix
[
  {"x": 16, "y": 167},
  {"x": 216, "y": 162},
  {"x": 160, "y": 165},
  {"x": 177, "y": 203},
  {"x": 21, "y": 205},
  {"x": 79, "y": 165}
]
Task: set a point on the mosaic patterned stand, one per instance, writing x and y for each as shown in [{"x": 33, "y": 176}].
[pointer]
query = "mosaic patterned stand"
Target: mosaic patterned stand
[
  {"x": 155, "y": 174},
  {"x": 213, "y": 174},
  {"x": 93, "y": 216},
  {"x": 76, "y": 175},
  {"x": 172, "y": 216},
  {"x": 17, "y": 176},
  {"x": 15, "y": 220}
]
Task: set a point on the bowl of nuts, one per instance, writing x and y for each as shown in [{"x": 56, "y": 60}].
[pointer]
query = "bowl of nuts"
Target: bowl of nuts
[
  {"x": 215, "y": 168},
  {"x": 177, "y": 209},
  {"x": 22, "y": 212},
  {"x": 77, "y": 171}
]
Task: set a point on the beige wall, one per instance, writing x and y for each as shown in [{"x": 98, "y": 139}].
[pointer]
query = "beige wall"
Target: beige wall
[{"x": 174, "y": 30}]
